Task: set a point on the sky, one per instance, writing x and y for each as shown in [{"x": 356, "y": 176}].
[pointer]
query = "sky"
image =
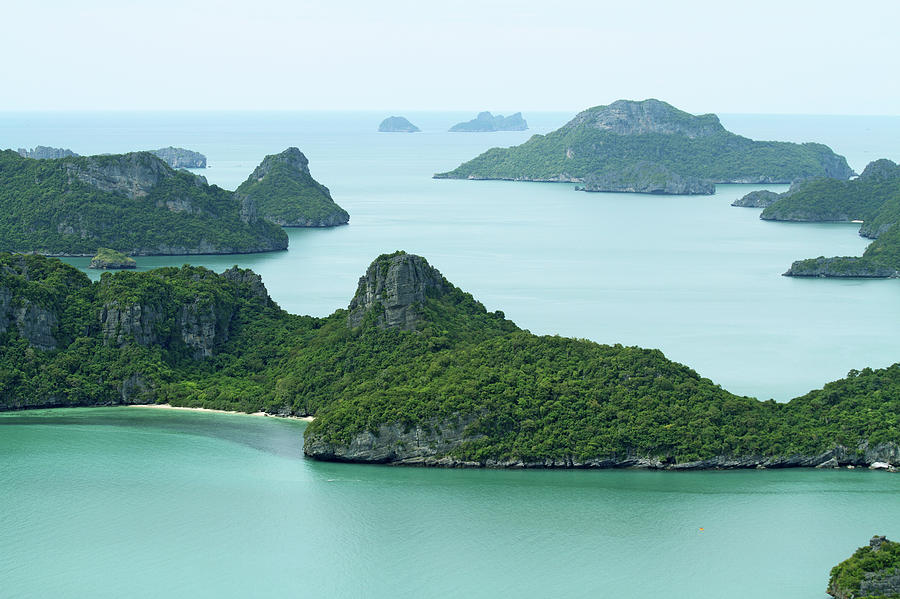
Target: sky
[{"x": 786, "y": 56}]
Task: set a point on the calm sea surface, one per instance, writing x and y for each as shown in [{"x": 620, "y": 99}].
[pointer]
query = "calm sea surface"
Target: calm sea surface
[
  {"x": 137, "y": 502},
  {"x": 113, "y": 502}
]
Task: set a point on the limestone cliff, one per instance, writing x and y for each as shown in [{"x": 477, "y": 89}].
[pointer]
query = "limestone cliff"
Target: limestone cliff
[
  {"x": 397, "y": 124},
  {"x": 647, "y": 177},
  {"x": 46, "y": 153},
  {"x": 393, "y": 291},
  {"x": 486, "y": 122}
]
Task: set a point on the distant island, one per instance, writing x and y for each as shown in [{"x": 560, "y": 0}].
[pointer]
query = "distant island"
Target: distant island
[
  {"x": 174, "y": 157},
  {"x": 487, "y": 122},
  {"x": 397, "y": 124},
  {"x": 45, "y": 153},
  {"x": 109, "y": 259},
  {"x": 872, "y": 571},
  {"x": 651, "y": 146},
  {"x": 415, "y": 372},
  {"x": 181, "y": 158},
  {"x": 284, "y": 192},
  {"x": 134, "y": 203},
  {"x": 872, "y": 199}
]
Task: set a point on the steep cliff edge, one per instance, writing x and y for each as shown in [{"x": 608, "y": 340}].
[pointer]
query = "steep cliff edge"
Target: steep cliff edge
[
  {"x": 134, "y": 203},
  {"x": 608, "y": 140},
  {"x": 284, "y": 192},
  {"x": 872, "y": 571},
  {"x": 180, "y": 157}
]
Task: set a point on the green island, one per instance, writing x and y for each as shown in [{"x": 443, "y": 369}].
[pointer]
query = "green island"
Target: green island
[
  {"x": 486, "y": 122},
  {"x": 107, "y": 258},
  {"x": 284, "y": 192},
  {"x": 134, "y": 203},
  {"x": 603, "y": 142},
  {"x": 872, "y": 571},
  {"x": 414, "y": 371},
  {"x": 872, "y": 199}
]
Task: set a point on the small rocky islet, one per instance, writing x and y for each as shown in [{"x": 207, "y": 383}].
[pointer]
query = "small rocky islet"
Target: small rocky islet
[
  {"x": 397, "y": 124},
  {"x": 485, "y": 122},
  {"x": 109, "y": 259}
]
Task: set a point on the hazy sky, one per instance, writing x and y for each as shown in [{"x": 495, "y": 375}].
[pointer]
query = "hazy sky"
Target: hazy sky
[{"x": 781, "y": 56}]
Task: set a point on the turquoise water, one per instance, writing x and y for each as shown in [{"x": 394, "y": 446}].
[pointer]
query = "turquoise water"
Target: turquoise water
[
  {"x": 112, "y": 502},
  {"x": 132, "y": 502},
  {"x": 689, "y": 275}
]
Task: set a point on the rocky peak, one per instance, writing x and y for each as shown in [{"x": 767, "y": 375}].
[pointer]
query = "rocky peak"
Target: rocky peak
[
  {"x": 46, "y": 153},
  {"x": 881, "y": 170},
  {"x": 245, "y": 276},
  {"x": 132, "y": 175},
  {"x": 628, "y": 117},
  {"x": 396, "y": 285},
  {"x": 292, "y": 157}
]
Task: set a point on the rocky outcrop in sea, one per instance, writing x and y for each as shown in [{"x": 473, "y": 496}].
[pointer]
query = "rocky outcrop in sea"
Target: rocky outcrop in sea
[
  {"x": 45, "y": 153},
  {"x": 757, "y": 199},
  {"x": 486, "y": 122},
  {"x": 397, "y": 124}
]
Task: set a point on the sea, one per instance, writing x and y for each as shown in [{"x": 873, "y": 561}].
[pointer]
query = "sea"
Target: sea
[{"x": 106, "y": 502}]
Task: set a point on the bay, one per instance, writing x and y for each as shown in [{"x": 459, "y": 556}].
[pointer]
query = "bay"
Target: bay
[{"x": 141, "y": 502}]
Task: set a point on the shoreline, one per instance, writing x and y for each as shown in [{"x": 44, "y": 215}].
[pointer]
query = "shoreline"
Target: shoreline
[{"x": 165, "y": 406}]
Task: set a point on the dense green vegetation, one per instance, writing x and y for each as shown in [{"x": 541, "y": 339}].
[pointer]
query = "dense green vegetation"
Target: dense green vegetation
[
  {"x": 285, "y": 193},
  {"x": 109, "y": 258},
  {"x": 872, "y": 571},
  {"x": 526, "y": 396},
  {"x": 874, "y": 198},
  {"x": 61, "y": 207},
  {"x": 681, "y": 143}
]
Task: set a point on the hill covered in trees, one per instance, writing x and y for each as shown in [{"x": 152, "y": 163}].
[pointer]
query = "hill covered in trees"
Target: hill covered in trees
[
  {"x": 602, "y": 142},
  {"x": 414, "y": 371}
]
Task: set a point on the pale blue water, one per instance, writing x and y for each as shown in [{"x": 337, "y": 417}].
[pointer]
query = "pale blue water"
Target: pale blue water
[
  {"x": 132, "y": 502},
  {"x": 125, "y": 502},
  {"x": 689, "y": 275}
]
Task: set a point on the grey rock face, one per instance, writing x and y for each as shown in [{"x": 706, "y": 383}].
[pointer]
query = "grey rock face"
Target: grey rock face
[
  {"x": 397, "y": 124},
  {"x": 881, "y": 170},
  {"x": 34, "y": 323},
  {"x": 627, "y": 117},
  {"x": 395, "y": 287},
  {"x": 395, "y": 444},
  {"x": 135, "y": 321},
  {"x": 132, "y": 175},
  {"x": 292, "y": 157},
  {"x": 46, "y": 153},
  {"x": 181, "y": 158},
  {"x": 645, "y": 177},
  {"x": 757, "y": 199}
]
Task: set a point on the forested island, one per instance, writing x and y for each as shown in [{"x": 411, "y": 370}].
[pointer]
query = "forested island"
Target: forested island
[
  {"x": 651, "y": 141},
  {"x": 486, "y": 122},
  {"x": 872, "y": 571},
  {"x": 397, "y": 124},
  {"x": 284, "y": 192},
  {"x": 109, "y": 259},
  {"x": 872, "y": 199},
  {"x": 415, "y": 371},
  {"x": 133, "y": 203}
]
